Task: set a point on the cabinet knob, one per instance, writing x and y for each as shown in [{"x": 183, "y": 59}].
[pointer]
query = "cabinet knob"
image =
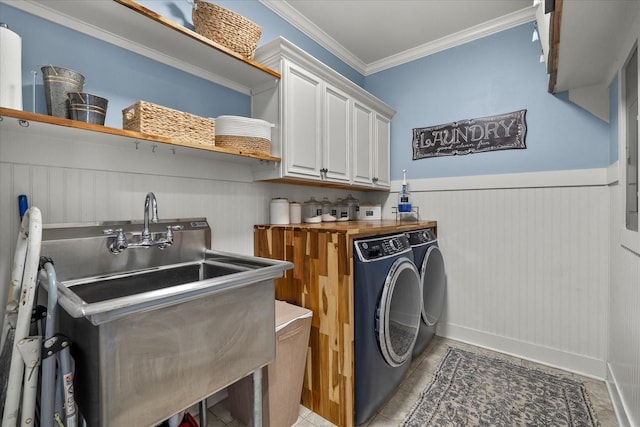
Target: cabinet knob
[{"x": 375, "y": 180}]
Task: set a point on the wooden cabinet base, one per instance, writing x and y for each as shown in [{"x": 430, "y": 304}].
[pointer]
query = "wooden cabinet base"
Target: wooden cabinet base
[{"x": 322, "y": 281}]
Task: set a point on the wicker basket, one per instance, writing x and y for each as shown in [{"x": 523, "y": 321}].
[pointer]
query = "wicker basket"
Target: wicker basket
[
  {"x": 245, "y": 144},
  {"x": 155, "y": 119},
  {"x": 226, "y": 28}
]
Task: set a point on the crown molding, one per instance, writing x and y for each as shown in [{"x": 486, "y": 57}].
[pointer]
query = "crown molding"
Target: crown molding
[
  {"x": 470, "y": 34},
  {"x": 295, "y": 18}
]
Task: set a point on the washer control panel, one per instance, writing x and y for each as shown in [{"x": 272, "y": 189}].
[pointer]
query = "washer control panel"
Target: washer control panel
[
  {"x": 382, "y": 247},
  {"x": 421, "y": 237}
]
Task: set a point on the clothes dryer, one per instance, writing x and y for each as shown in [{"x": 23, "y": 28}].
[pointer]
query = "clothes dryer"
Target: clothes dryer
[
  {"x": 433, "y": 281},
  {"x": 387, "y": 307}
]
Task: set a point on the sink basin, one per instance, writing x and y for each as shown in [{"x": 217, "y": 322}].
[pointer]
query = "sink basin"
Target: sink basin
[
  {"x": 106, "y": 297},
  {"x": 155, "y": 331}
]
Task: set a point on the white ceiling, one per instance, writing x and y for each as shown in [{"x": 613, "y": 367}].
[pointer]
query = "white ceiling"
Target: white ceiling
[{"x": 372, "y": 35}]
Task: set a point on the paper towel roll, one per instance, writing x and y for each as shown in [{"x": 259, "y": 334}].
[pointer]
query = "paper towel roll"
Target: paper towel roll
[{"x": 10, "y": 69}]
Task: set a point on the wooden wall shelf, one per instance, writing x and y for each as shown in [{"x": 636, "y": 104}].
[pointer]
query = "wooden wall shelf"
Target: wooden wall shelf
[
  {"x": 130, "y": 25},
  {"x": 40, "y": 125}
]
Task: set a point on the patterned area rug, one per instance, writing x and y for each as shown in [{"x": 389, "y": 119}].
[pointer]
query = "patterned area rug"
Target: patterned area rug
[{"x": 470, "y": 389}]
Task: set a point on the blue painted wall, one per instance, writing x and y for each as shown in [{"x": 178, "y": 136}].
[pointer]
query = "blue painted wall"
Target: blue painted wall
[
  {"x": 497, "y": 74},
  {"x": 114, "y": 73}
]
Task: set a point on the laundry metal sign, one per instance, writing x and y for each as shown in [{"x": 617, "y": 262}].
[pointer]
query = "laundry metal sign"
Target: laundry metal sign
[{"x": 500, "y": 132}]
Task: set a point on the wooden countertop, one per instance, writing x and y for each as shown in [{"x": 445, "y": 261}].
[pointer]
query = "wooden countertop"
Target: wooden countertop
[{"x": 359, "y": 228}]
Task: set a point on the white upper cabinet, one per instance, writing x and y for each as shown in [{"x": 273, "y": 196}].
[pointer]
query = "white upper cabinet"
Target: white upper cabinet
[
  {"x": 382, "y": 157},
  {"x": 302, "y": 122},
  {"x": 326, "y": 126},
  {"x": 371, "y": 138},
  {"x": 337, "y": 139},
  {"x": 363, "y": 144}
]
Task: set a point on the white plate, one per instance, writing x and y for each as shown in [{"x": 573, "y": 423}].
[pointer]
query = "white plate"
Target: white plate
[
  {"x": 313, "y": 219},
  {"x": 328, "y": 218}
]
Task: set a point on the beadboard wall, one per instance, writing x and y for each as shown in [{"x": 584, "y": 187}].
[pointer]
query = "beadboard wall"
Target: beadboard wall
[
  {"x": 624, "y": 324},
  {"x": 527, "y": 259},
  {"x": 527, "y": 255},
  {"x": 73, "y": 181}
]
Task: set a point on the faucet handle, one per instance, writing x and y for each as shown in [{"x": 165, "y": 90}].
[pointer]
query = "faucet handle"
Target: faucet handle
[
  {"x": 170, "y": 233},
  {"x": 120, "y": 242}
]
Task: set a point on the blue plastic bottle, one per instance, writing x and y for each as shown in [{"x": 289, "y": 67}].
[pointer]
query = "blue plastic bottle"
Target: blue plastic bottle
[{"x": 404, "y": 201}]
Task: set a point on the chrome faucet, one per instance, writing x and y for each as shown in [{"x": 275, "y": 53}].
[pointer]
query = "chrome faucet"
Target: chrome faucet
[
  {"x": 149, "y": 202},
  {"x": 119, "y": 243}
]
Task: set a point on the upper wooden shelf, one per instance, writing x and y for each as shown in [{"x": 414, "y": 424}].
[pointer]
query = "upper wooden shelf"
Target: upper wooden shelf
[
  {"x": 40, "y": 124},
  {"x": 132, "y": 26}
]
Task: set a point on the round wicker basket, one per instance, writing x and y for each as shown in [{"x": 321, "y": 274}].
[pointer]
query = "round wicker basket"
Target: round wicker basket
[{"x": 226, "y": 28}]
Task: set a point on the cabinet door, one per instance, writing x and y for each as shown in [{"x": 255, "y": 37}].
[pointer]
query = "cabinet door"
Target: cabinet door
[
  {"x": 362, "y": 144},
  {"x": 381, "y": 175},
  {"x": 302, "y": 118},
  {"x": 337, "y": 138}
]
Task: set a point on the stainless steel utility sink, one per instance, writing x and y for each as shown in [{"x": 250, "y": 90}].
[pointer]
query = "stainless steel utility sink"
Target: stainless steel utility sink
[
  {"x": 155, "y": 330},
  {"x": 105, "y": 297}
]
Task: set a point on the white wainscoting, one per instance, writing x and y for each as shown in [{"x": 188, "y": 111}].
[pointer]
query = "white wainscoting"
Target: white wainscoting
[
  {"x": 624, "y": 323},
  {"x": 527, "y": 258},
  {"x": 71, "y": 183}
]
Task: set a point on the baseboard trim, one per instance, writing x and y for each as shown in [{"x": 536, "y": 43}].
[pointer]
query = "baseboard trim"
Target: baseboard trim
[
  {"x": 616, "y": 399},
  {"x": 583, "y": 365}
]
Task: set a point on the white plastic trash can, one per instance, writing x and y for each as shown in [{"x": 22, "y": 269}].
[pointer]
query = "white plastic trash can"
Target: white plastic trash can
[{"x": 283, "y": 379}]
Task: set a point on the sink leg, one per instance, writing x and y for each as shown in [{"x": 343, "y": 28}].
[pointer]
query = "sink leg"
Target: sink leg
[
  {"x": 257, "y": 398},
  {"x": 203, "y": 412}
]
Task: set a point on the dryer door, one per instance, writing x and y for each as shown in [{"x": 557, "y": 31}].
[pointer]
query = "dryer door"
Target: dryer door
[
  {"x": 399, "y": 311},
  {"x": 434, "y": 282}
]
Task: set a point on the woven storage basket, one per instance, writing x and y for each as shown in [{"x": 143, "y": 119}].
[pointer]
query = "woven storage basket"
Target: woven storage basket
[
  {"x": 155, "y": 119},
  {"x": 246, "y": 144},
  {"x": 226, "y": 28}
]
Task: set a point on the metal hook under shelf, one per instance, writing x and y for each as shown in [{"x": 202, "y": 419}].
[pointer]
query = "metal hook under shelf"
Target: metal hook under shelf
[{"x": 23, "y": 123}]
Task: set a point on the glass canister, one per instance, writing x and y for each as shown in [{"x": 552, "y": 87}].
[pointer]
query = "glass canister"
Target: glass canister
[
  {"x": 326, "y": 206},
  {"x": 341, "y": 210},
  {"x": 312, "y": 210},
  {"x": 334, "y": 207},
  {"x": 354, "y": 206}
]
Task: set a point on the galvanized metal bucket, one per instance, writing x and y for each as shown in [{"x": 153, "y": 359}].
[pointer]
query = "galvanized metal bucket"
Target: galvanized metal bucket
[
  {"x": 58, "y": 82},
  {"x": 88, "y": 108}
]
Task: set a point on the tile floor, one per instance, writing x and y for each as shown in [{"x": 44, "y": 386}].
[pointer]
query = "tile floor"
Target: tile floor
[{"x": 420, "y": 374}]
